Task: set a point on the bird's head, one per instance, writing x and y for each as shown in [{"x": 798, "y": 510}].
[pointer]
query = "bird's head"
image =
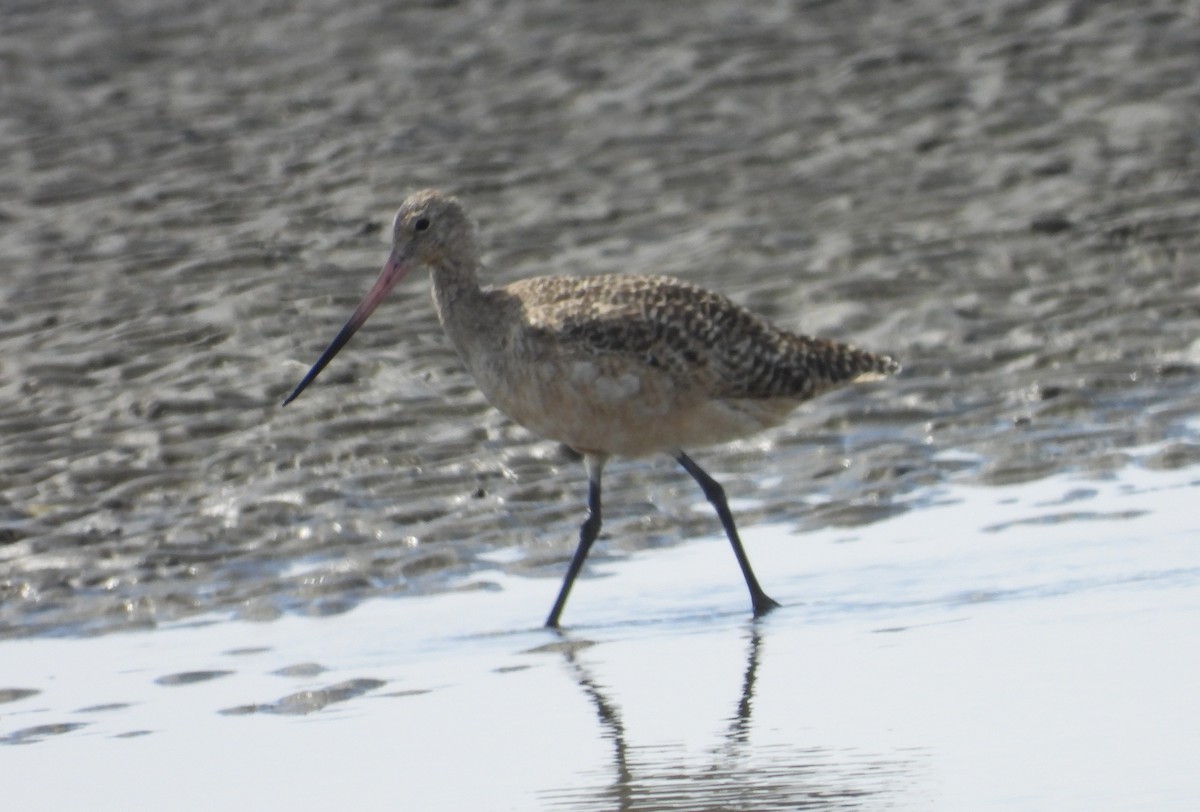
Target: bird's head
[{"x": 432, "y": 231}]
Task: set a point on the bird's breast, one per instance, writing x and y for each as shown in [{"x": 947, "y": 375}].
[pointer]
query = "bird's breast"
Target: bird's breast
[{"x": 617, "y": 406}]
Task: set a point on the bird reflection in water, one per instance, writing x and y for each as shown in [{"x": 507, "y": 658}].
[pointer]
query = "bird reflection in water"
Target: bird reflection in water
[{"x": 737, "y": 774}]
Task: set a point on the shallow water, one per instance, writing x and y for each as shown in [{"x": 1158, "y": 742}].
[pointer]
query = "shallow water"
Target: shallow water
[
  {"x": 1026, "y": 645},
  {"x": 192, "y": 199}
]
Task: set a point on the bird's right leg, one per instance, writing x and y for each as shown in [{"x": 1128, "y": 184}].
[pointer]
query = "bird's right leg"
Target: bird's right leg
[
  {"x": 716, "y": 496},
  {"x": 587, "y": 534}
]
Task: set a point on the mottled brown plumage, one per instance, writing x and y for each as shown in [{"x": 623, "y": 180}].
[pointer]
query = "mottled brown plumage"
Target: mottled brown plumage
[
  {"x": 690, "y": 332},
  {"x": 615, "y": 364}
]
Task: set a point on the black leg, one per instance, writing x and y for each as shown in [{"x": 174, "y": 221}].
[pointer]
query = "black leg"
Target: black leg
[
  {"x": 716, "y": 495},
  {"x": 587, "y": 534}
]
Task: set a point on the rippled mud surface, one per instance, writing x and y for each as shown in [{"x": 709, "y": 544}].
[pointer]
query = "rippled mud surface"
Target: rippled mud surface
[{"x": 193, "y": 197}]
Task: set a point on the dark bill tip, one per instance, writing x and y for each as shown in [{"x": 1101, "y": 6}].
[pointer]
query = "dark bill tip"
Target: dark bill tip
[
  {"x": 393, "y": 271},
  {"x": 338, "y": 342}
]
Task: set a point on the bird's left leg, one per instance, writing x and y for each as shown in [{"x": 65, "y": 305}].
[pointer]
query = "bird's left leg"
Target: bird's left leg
[{"x": 587, "y": 534}]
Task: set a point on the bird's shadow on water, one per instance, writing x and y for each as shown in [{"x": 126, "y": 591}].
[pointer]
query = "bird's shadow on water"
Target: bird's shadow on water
[{"x": 733, "y": 773}]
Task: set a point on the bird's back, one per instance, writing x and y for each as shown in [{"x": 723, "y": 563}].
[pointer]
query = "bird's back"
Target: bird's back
[{"x": 691, "y": 334}]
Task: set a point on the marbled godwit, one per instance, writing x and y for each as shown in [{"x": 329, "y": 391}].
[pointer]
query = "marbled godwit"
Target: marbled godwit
[{"x": 628, "y": 365}]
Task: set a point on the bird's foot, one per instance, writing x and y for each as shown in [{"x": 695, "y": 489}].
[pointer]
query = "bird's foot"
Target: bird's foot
[{"x": 763, "y": 604}]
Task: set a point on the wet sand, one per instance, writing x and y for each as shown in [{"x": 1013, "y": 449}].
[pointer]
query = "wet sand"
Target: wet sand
[{"x": 192, "y": 199}]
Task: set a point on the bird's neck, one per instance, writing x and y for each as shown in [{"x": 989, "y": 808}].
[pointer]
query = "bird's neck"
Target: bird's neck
[
  {"x": 462, "y": 306},
  {"x": 455, "y": 281}
]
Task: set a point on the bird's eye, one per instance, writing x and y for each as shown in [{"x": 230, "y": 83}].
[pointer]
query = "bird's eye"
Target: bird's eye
[{"x": 421, "y": 225}]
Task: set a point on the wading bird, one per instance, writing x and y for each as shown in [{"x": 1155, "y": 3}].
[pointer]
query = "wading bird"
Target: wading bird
[{"x": 610, "y": 365}]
